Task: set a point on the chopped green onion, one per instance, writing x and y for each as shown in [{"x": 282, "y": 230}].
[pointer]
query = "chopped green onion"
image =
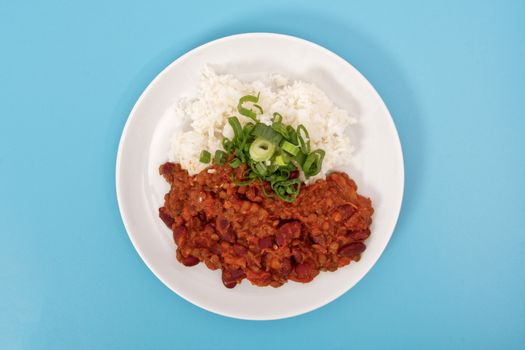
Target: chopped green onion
[
  {"x": 240, "y": 154},
  {"x": 227, "y": 144},
  {"x": 304, "y": 141},
  {"x": 287, "y": 190},
  {"x": 236, "y": 126},
  {"x": 260, "y": 169},
  {"x": 235, "y": 163},
  {"x": 313, "y": 163},
  {"x": 292, "y": 135},
  {"x": 299, "y": 158},
  {"x": 270, "y": 152},
  {"x": 266, "y": 132},
  {"x": 248, "y": 127},
  {"x": 205, "y": 157},
  {"x": 290, "y": 148},
  {"x": 245, "y": 111},
  {"x": 261, "y": 149},
  {"x": 279, "y": 160},
  {"x": 220, "y": 157},
  {"x": 272, "y": 168},
  {"x": 277, "y": 118},
  {"x": 280, "y": 129}
]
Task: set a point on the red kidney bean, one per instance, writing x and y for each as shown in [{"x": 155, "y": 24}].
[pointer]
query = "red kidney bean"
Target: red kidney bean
[
  {"x": 189, "y": 260},
  {"x": 343, "y": 213},
  {"x": 230, "y": 278},
  {"x": 266, "y": 242},
  {"x": 237, "y": 274},
  {"x": 294, "y": 174},
  {"x": 229, "y": 284},
  {"x": 168, "y": 220},
  {"x": 291, "y": 229},
  {"x": 358, "y": 235},
  {"x": 351, "y": 249},
  {"x": 280, "y": 239},
  {"x": 166, "y": 168},
  {"x": 303, "y": 270},
  {"x": 287, "y": 232},
  {"x": 179, "y": 235}
]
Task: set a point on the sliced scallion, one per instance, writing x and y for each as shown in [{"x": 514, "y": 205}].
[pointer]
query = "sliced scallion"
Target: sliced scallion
[
  {"x": 280, "y": 129},
  {"x": 280, "y": 161},
  {"x": 227, "y": 144},
  {"x": 313, "y": 163},
  {"x": 290, "y": 148},
  {"x": 292, "y": 135},
  {"x": 220, "y": 157},
  {"x": 236, "y": 126},
  {"x": 260, "y": 168},
  {"x": 235, "y": 163},
  {"x": 261, "y": 149},
  {"x": 272, "y": 154},
  {"x": 266, "y": 132},
  {"x": 245, "y": 111},
  {"x": 304, "y": 139},
  {"x": 205, "y": 157}
]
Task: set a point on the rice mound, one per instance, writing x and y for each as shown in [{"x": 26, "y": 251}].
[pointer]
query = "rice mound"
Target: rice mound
[{"x": 297, "y": 101}]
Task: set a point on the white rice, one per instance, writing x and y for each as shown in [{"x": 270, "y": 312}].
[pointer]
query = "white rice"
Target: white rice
[{"x": 297, "y": 101}]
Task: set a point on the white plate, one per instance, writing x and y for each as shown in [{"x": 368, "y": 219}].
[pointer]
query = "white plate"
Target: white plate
[{"x": 377, "y": 167}]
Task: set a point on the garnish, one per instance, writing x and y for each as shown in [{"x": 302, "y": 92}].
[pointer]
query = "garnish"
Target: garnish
[{"x": 272, "y": 154}]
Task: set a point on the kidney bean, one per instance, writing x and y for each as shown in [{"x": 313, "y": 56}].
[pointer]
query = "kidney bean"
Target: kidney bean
[
  {"x": 179, "y": 235},
  {"x": 291, "y": 229},
  {"x": 287, "y": 232},
  {"x": 303, "y": 270},
  {"x": 189, "y": 260},
  {"x": 266, "y": 242},
  {"x": 230, "y": 278},
  {"x": 358, "y": 235},
  {"x": 351, "y": 249},
  {"x": 280, "y": 239},
  {"x": 229, "y": 284},
  {"x": 237, "y": 274},
  {"x": 168, "y": 220},
  {"x": 166, "y": 168},
  {"x": 343, "y": 213}
]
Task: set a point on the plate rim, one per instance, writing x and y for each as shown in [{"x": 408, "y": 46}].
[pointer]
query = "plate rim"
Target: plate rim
[{"x": 158, "y": 77}]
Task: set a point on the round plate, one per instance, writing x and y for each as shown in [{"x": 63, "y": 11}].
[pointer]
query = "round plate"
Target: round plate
[{"x": 377, "y": 167}]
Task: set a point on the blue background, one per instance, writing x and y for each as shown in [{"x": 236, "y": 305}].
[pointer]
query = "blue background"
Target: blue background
[{"x": 453, "y": 77}]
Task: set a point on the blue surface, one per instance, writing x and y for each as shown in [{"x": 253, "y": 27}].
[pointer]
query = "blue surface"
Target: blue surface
[{"x": 453, "y": 77}]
